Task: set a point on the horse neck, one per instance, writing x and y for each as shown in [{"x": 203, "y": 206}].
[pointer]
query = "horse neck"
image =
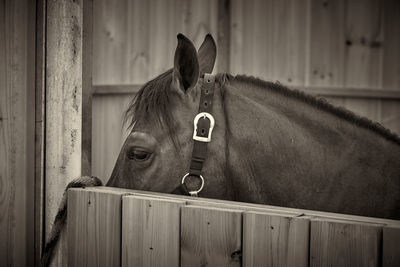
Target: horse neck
[{"x": 275, "y": 141}]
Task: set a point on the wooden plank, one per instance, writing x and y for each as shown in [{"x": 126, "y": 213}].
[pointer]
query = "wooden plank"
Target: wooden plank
[
  {"x": 87, "y": 45},
  {"x": 94, "y": 228},
  {"x": 364, "y": 38},
  {"x": 210, "y": 236},
  {"x": 327, "y": 43},
  {"x": 63, "y": 106},
  {"x": 390, "y": 247},
  {"x": 391, "y": 52},
  {"x": 40, "y": 92},
  {"x": 338, "y": 243},
  {"x": 109, "y": 133},
  {"x": 268, "y": 39},
  {"x": 150, "y": 231},
  {"x": 275, "y": 240},
  {"x": 236, "y": 51},
  {"x": 17, "y": 102},
  {"x": 109, "y": 42},
  {"x": 223, "y": 36}
]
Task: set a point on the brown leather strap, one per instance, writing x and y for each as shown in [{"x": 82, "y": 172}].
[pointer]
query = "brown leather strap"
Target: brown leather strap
[
  {"x": 202, "y": 135},
  {"x": 199, "y": 153}
]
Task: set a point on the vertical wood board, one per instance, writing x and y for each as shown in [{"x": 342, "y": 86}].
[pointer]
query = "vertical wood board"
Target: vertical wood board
[
  {"x": 64, "y": 85},
  {"x": 87, "y": 47},
  {"x": 94, "y": 228},
  {"x": 209, "y": 236},
  {"x": 363, "y": 43},
  {"x": 16, "y": 132},
  {"x": 109, "y": 133},
  {"x": 327, "y": 43},
  {"x": 391, "y": 247},
  {"x": 40, "y": 105},
  {"x": 391, "y": 44},
  {"x": 271, "y": 240},
  {"x": 150, "y": 231},
  {"x": 268, "y": 39},
  {"x": 343, "y": 243}
]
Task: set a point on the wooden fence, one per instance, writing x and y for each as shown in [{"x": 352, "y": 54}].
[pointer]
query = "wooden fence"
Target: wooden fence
[{"x": 119, "y": 227}]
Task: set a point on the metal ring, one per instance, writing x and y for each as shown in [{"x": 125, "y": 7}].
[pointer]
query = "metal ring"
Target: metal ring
[{"x": 201, "y": 187}]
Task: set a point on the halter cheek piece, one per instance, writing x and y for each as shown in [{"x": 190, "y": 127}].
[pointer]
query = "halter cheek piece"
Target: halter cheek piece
[{"x": 203, "y": 125}]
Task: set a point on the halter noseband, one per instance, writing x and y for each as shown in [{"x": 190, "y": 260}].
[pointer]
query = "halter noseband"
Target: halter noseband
[{"x": 203, "y": 125}]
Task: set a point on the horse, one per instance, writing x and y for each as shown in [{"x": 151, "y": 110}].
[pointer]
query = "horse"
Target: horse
[
  {"x": 244, "y": 139},
  {"x": 270, "y": 144}
]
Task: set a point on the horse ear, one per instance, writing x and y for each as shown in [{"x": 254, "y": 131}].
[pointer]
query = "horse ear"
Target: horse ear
[
  {"x": 207, "y": 54},
  {"x": 186, "y": 64}
]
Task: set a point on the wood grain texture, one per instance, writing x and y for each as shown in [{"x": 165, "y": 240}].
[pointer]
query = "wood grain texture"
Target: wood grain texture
[
  {"x": 274, "y": 210},
  {"x": 391, "y": 51},
  {"x": 268, "y": 39},
  {"x": 94, "y": 228},
  {"x": 40, "y": 106},
  {"x": 16, "y": 133},
  {"x": 343, "y": 243},
  {"x": 87, "y": 53},
  {"x": 63, "y": 153},
  {"x": 209, "y": 236},
  {"x": 390, "y": 247},
  {"x": 135, "y": 41},
  {"x": 327, "y": 43},
  {"x": 150, "y": 231},
  {"x": 363, "y": 37},
  {"x": 271, "y": 240},
  {"x": 109, "y": 133}
]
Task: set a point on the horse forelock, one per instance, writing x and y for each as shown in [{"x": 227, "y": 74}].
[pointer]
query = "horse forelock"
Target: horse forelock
[{"x": 153, "y": 98}]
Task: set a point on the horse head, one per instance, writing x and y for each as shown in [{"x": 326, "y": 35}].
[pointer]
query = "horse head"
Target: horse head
[{"x": 157, "y": 152}]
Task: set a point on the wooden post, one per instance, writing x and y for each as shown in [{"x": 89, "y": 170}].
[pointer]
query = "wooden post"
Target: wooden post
[{"x": 65, "y": 97}]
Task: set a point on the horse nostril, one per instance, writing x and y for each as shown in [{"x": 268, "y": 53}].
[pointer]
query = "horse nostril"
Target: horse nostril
[
  {"x": 203, "y": 131},
  {"x": 205, "y": 104}
]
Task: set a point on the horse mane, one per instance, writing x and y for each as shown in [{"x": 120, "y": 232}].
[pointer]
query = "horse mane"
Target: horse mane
[
  {"x": 319, "y": 103},
  {"x": 154, "y": 98}
]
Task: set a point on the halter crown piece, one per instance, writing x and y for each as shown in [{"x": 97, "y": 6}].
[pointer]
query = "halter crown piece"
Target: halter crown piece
[{"x": 203, "y": 125}]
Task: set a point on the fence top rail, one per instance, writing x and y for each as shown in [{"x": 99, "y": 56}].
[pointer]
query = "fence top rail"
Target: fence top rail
[{"x": 243, "y": 206}]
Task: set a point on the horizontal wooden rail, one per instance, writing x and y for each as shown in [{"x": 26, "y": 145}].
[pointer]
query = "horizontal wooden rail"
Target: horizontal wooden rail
[
  {"x": 119, "y": 227},
  {"x": 317, "y": 91}
]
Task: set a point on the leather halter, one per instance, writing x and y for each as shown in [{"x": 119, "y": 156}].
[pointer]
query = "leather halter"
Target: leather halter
[{"x": 203, "y": 125}]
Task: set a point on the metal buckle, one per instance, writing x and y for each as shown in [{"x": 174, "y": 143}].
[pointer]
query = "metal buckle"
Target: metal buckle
[
  {"x": 212, "y": 123},
  {"x": 196, "y": 192}
]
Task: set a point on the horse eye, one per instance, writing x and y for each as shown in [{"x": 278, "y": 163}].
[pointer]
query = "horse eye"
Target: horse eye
[{"x": 138, "y": 155}]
